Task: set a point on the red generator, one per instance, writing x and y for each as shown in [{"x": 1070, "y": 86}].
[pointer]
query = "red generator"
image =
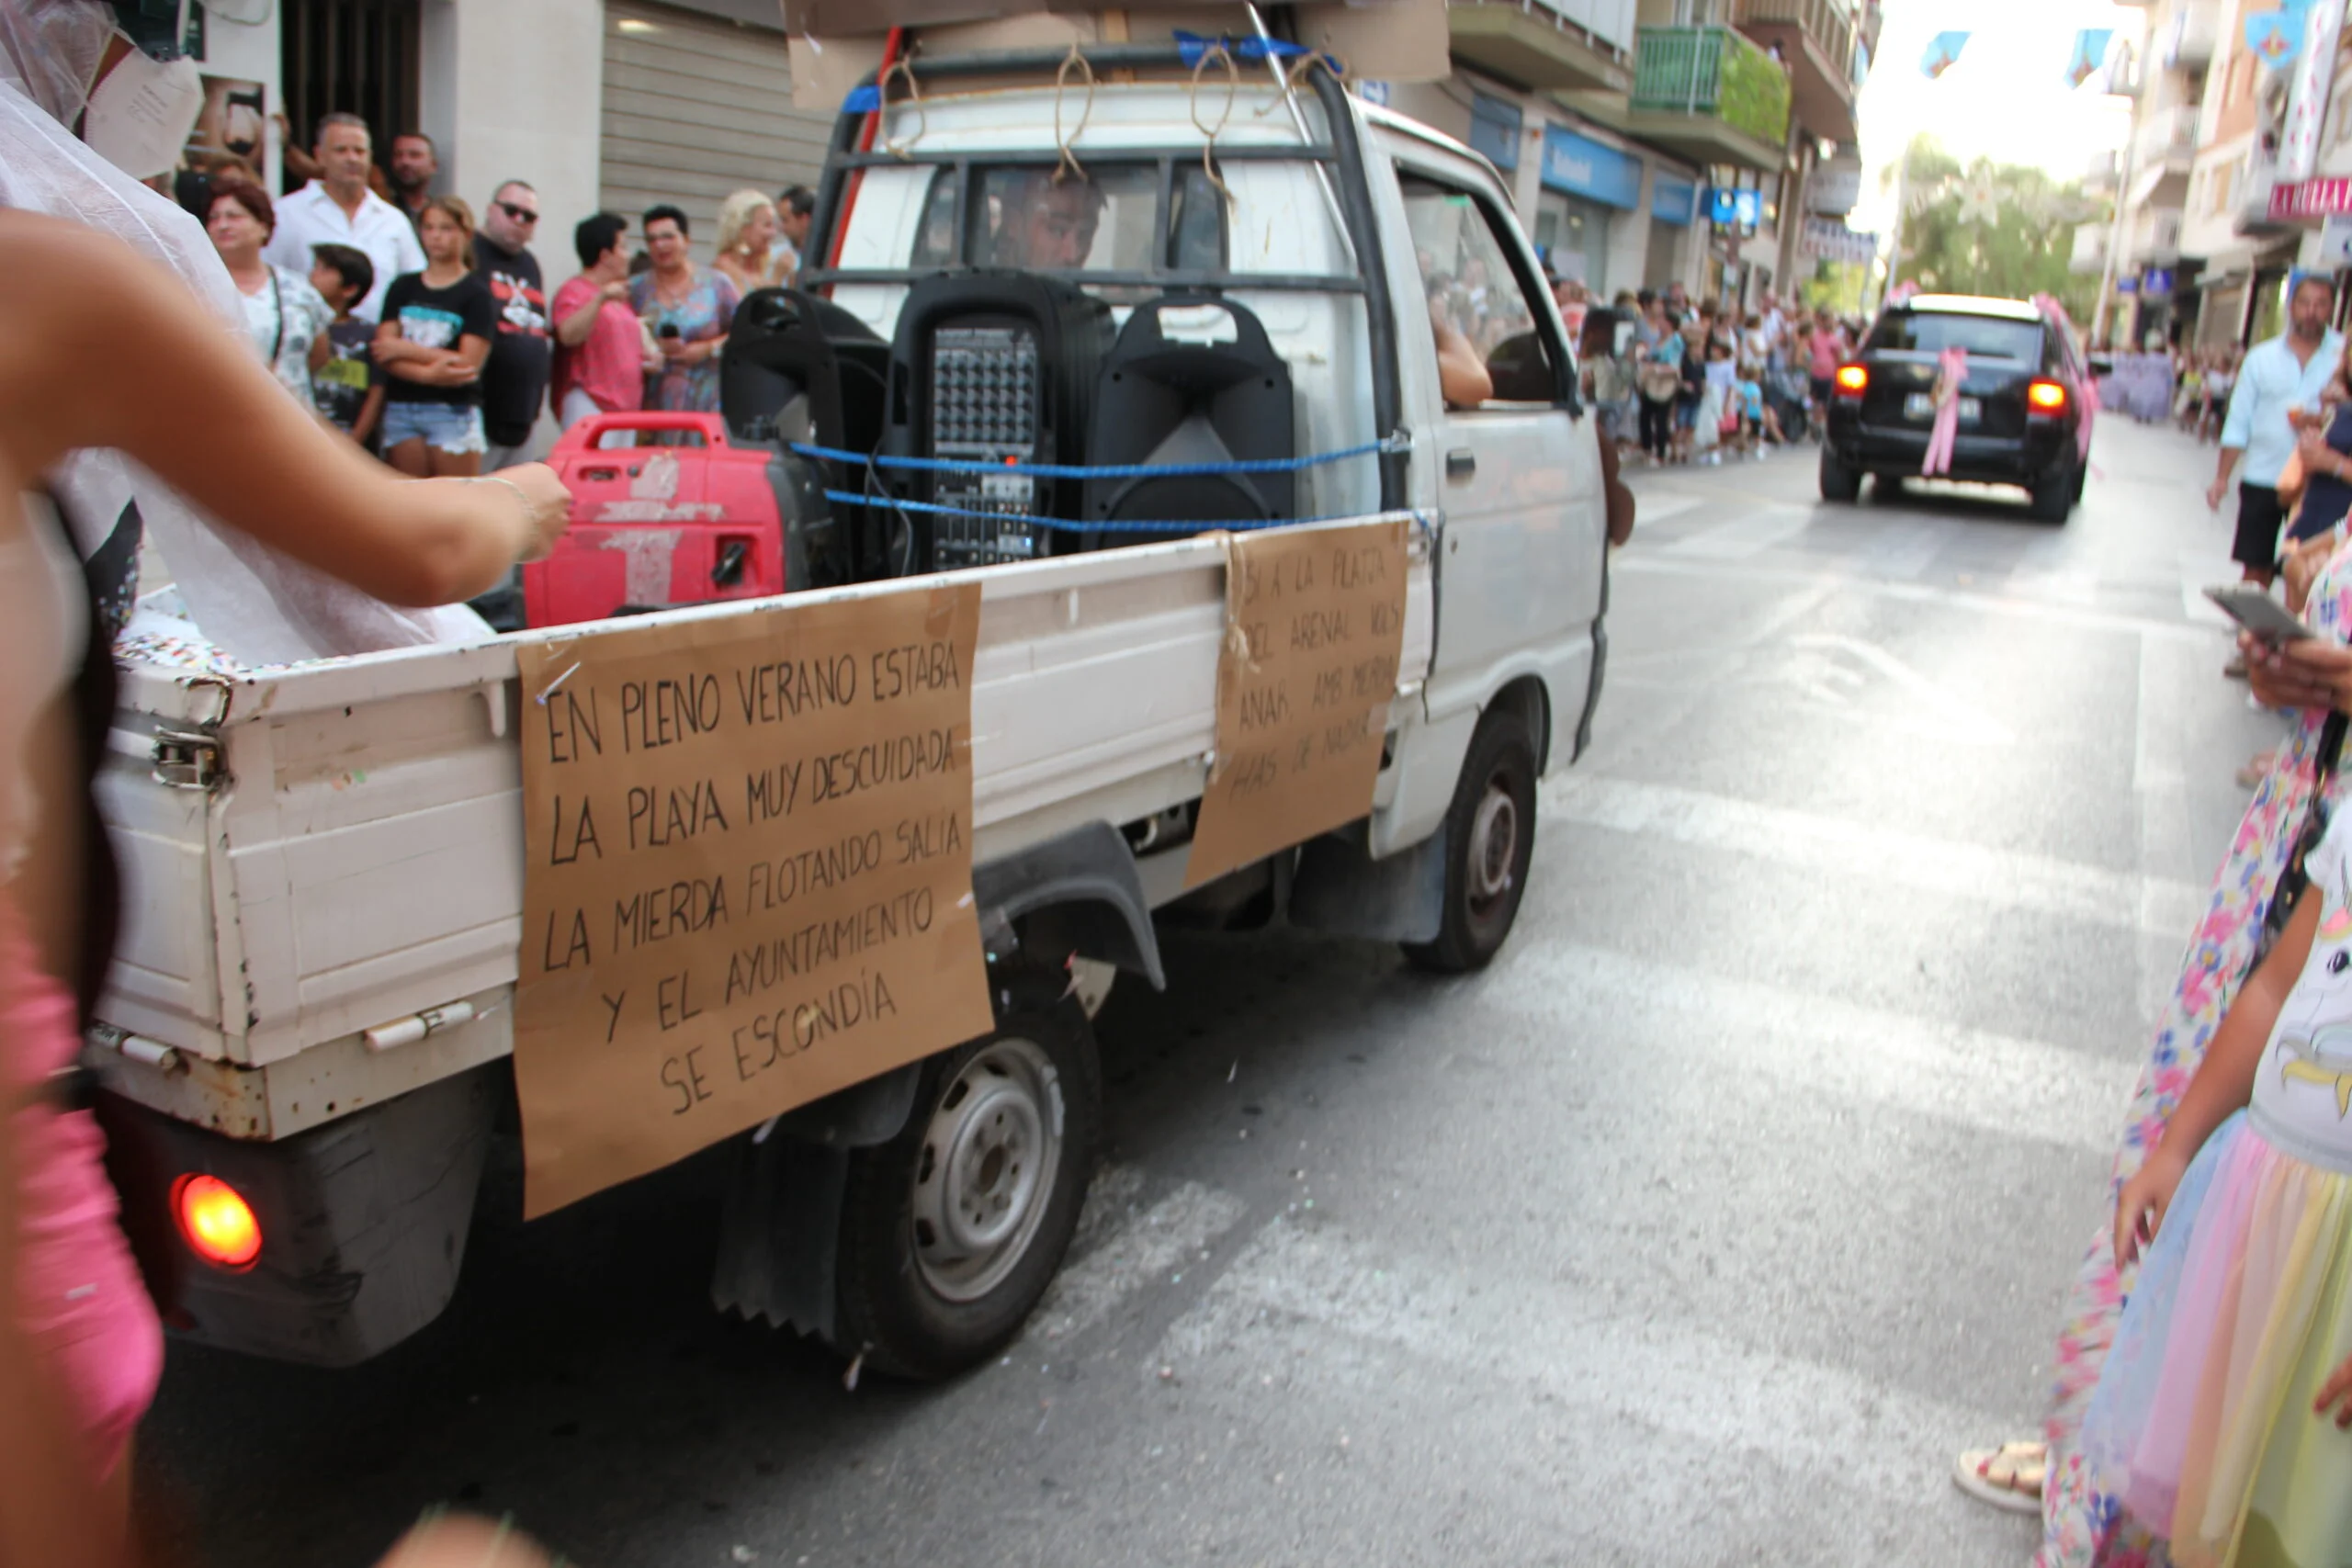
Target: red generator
[{"x": 657, "y": 526}]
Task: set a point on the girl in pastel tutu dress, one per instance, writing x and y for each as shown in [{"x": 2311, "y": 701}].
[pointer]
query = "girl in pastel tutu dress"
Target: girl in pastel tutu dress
[{"x": 2220, "y": 1417}]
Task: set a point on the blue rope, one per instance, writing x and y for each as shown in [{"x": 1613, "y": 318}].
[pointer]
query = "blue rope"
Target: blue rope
[
  {"x": 1121, "y": 525},
  {"x": 1098, "y": 471}
]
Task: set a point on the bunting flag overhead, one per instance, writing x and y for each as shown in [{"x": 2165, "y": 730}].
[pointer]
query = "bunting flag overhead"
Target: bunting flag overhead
[
  {"x": 2090, "y": 59},
  {"x": 1943, "y": 53},
  {"x": 2276, "y": 37}
]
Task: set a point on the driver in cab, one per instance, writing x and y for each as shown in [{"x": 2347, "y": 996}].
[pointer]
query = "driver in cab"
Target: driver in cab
[{"x": 1047, "y": 221}]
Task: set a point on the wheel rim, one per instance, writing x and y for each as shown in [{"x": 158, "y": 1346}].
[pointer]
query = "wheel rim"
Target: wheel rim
[
  {"x": 985, "y": 1174},
  {"x": 1494, "y": 848}
]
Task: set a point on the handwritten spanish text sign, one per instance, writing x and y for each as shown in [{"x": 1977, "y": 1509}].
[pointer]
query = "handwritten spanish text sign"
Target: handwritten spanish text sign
[
  {"x": 1315, "y": 626},
  {"x": 748, "y": 874}
]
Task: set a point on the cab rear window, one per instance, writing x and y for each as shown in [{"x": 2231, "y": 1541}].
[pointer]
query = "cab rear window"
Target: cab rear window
[{"x": 1986, "y": 337}]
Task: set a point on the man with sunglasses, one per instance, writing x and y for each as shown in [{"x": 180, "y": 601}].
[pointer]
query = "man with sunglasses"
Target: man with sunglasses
[{"x": 515, "y": 382}]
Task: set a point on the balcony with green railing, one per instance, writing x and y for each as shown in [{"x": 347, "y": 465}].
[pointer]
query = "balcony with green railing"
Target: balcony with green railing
[{"x": 1709, "y": 94}]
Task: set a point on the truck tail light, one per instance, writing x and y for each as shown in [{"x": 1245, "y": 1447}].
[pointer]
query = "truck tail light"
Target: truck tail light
[
  {"x": 216, "y": 1222},
  {"x": 1853, "y": 380},
  {"x": 2046, "y": 397}
]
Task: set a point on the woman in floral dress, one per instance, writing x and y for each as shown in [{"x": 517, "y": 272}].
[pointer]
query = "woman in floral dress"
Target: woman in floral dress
[
  {"x": 2081, "y": 1523},
  {"x": 688, "y": 309}
]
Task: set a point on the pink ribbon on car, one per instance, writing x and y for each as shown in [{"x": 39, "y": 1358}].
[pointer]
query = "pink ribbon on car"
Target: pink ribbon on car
[{"x": 1952, "y": 372}]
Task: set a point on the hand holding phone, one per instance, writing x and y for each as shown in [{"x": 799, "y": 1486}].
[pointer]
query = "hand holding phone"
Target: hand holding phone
[{"x": 2258, "y": 613}]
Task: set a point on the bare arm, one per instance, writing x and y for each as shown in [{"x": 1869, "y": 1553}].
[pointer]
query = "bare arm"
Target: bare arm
[
  {"x": 2223, "y": 1083},
  {"x": 88, "y": 318},
  {"x": 574, "y": 330}
]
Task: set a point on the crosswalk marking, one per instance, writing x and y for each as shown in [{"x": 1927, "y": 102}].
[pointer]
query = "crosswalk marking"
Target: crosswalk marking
[
  {"x": 1805, "y": 1043},
  {"x": 1835, "y": 847},
  {"x": 1619, "y": 1425},
  {"x": 1760, "y": 576},
  {"x": 1756, "y": 530}
]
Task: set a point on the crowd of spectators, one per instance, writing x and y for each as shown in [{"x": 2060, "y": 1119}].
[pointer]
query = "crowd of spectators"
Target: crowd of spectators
[
  {"x": 428, "y": 335},
  {"x": 1688, "y": 382}
]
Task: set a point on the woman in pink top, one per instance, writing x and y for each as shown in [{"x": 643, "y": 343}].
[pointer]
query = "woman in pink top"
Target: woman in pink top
[
  {"x": 1829, "y": 350},
  {"x": 600, "y": 363}
]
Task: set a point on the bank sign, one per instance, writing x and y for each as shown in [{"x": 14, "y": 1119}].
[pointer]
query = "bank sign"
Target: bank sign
[{"x": 1581, "y": 166}]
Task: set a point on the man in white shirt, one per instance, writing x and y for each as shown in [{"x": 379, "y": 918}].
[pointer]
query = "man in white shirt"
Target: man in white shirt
[
  {"x": 338, "y": 209},
  {"x": 2279, "y": 377}
]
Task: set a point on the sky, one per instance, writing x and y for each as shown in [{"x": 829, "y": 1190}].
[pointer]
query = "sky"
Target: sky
[{"x": 2007, "y": 100}]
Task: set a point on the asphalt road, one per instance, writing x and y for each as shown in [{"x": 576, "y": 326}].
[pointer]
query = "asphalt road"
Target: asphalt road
[{"x": 1703, "y": 1228}]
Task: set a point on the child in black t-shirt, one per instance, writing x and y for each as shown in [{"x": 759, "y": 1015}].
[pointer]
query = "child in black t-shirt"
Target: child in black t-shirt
[{"x": 347, "y": 389}]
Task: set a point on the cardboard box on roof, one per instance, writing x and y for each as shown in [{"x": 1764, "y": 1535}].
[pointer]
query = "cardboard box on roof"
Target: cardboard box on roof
[{"x": 836, "y": 44}]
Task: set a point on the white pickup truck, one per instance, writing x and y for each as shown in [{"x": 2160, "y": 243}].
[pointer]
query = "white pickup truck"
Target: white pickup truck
[{"x": 323, "y": 863}]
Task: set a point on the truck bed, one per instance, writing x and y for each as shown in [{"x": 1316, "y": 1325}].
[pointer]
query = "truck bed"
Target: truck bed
[{"x": 313, "y": 852}]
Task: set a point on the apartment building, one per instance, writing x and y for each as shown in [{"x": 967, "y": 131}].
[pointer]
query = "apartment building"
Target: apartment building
[
  {"x": 2234, "y": 168},
  {"x": 1618, "y": 121}
]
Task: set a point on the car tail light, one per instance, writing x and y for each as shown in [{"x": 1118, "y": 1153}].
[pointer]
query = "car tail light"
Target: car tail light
[
  {"x": 1853, "y": 380},
  {"x": 216, "y": 1222},
  {"x": 2046, "y": 397}
]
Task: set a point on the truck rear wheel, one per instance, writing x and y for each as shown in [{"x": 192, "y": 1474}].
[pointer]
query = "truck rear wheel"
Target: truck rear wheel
[
  {"x": 1489, "y": 840},
  {"x": 951, "y": 1230}
]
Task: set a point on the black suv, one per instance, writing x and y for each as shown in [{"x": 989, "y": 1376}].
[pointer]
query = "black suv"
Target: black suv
[{"x": 2019, "y": 409}]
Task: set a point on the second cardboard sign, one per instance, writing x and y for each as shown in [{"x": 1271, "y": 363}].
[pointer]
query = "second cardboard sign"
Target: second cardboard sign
[{"x": 1314, "y": 627}]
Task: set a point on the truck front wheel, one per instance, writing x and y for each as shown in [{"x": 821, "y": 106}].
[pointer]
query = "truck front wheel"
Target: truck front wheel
[
  {"x": 1489, "y": 839},
  {"x": 951, "y": 1230}
]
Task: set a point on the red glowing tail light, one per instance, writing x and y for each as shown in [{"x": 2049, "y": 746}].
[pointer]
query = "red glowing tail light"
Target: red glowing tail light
[
  {"x": 2046, "y": 397},
  {"x": 216, "y": 1222},
  {"x": 1853, "y": 380}
]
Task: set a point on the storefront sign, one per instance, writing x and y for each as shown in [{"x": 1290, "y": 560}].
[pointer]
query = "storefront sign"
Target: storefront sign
[
  {"x": 1744, "y": 208},
  {"x": 1834, "y": 188},
  {"x": 1494, "y": 126},
  {"x": 2322, "y": 198},
  {"x": 2127, "y": 284},
  {"x": 1830, "y": 240},
  {"x": 2156, "y": 282},
  {"x": 1582, "y": 166},
  {"x": 1674, "y": 201}
]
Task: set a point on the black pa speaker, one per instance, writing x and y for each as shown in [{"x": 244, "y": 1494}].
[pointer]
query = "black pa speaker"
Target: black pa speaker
[
  {"x": 1191, "y": 380},
  {"x": 997, "y": 368}
]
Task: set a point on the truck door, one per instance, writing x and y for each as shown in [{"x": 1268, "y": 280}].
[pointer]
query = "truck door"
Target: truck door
[{"x": 1516, "y": 478}]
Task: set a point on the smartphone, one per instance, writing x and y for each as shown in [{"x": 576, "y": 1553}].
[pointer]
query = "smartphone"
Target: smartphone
[{"x": 2258, "y": 613}]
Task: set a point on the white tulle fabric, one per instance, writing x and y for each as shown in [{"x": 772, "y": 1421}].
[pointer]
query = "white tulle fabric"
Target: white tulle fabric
[{"x": 258, "y": 605}]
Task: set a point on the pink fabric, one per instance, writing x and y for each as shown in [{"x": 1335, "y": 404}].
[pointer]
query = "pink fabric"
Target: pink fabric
[
  {"x": 610, "y": 366},
  {"x": 1824, "y": 355},
  {"x": 2208, "y": 1281},
  {"x": 1951, "y": 373},
  {"x": 2090, "y": 413},
  {"x": 78, "y": 1290}
]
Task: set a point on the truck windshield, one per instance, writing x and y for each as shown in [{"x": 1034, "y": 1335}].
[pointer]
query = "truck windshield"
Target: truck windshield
[
  {"x": 1984, "y": 337},
  {"x": 1044, "y": 219}
]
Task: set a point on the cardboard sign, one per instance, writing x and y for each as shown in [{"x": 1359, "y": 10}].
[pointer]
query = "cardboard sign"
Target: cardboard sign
[
  {"x": 1314, "y": 627},
  {"x": 747, "y": 878}
]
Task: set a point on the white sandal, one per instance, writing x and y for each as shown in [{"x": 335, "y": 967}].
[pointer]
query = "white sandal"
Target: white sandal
[{"x": 2009, "y": 1477}]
